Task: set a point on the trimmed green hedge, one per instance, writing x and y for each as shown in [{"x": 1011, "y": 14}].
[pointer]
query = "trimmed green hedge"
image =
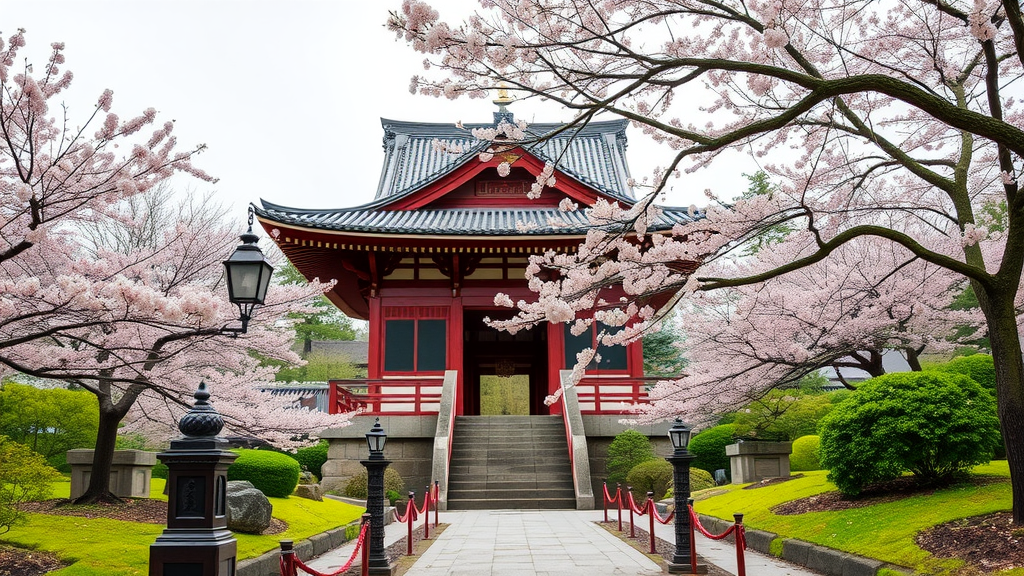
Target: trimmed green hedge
[
  {"x": 709, "y": 448},
  {"x": 312, "y": 457},
  {"x": 651, "y": 476},
  {"x": 356, "y": 486},
  {"x": 629, "y": 449},
  {"x": 273, "y": 473},
  {"x": 805, "y": 454}
]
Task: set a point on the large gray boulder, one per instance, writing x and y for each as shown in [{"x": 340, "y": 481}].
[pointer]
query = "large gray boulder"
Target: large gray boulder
[{"x": 249, "y": 511}]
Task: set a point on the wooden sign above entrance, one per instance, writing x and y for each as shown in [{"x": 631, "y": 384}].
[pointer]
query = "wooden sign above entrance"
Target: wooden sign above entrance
[{"x": 502, "y": 188}]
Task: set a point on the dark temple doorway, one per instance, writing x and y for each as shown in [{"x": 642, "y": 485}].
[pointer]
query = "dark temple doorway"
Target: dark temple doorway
[{"x": 504, "y": 374}]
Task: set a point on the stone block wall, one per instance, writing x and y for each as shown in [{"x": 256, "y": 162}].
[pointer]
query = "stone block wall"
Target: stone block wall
[{"x": 412, "y": 457}]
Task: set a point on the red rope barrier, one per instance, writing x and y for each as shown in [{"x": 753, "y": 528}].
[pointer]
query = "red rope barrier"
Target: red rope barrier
[{"x": 290, "y": 562}]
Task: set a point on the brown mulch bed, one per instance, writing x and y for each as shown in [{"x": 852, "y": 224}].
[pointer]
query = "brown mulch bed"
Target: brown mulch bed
[
  {"x": 21, "y": 562},
  {"x": 129, "y": 510},
  {"x": 989, "y": 542},
  {"x": 663, "y": 548},
  {"x": 879, "y": 493}
]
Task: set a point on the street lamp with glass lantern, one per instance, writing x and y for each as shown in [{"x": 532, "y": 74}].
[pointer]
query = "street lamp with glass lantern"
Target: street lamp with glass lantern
[
  {"x": 248, "y": 274},
  {"x": 682, "y": 558},
  {"x": 375, "y": 466}
]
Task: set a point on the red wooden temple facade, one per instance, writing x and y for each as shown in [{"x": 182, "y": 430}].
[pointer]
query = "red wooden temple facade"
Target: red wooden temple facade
[{"x": 445, "y": 233}]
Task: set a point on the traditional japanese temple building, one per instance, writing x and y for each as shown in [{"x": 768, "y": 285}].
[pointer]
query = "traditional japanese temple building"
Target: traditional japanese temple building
[{"x": 422, "y": 263}]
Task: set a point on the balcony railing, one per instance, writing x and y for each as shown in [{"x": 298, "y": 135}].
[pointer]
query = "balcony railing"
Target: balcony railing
[
  {"x": 612, "y": 395},
  {"x": 387, "y": 397}
]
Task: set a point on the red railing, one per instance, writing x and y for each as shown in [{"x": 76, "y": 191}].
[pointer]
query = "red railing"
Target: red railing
[
  {"x": 611, "y": 395},
  {"x": 651, "y": 510},
  {"x": 387, "y": 397}
]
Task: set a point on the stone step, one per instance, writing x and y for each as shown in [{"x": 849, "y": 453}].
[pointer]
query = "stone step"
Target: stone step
[
  {"x": 511, "y": 484},
  {"x": 511, "y": 494},
  {"x": 524, "y": 504}
]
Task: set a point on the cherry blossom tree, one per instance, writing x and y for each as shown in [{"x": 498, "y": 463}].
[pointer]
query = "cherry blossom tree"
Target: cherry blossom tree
[
  {"x": 843, "y": 312},
  {"x": 894, "y": 120},
  {"x": 138, "y": 323}
]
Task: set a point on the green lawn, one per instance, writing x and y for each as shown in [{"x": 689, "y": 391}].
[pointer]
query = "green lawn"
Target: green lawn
[
  {"x": 883, "y": 531},
  {"x": 102, "y": 547}
]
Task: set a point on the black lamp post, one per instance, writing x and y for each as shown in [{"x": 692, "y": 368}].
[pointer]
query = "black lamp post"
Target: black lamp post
[
  {"x": 375, "y": 466},
  {"x": 197, "y": 541},
  {"x": 682, "y": 558},
  {"x": 248, "y": 274}
]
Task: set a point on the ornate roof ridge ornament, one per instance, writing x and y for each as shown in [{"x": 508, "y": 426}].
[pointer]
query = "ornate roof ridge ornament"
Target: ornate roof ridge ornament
[{"x": 502, "y": 101}]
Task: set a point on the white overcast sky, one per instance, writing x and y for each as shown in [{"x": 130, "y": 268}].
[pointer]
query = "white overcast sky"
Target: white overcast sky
[{"x": 286, "y": 94}]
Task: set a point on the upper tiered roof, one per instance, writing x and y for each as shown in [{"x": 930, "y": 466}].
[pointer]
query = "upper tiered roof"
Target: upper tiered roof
[{"x": 594, "y": 154}]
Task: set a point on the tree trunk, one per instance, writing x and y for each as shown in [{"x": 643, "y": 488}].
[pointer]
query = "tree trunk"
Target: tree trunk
[
  {"x": 997, "y": 304},
  {"x": 103, "y": 457},
  {"x": 913, "y": 359}
]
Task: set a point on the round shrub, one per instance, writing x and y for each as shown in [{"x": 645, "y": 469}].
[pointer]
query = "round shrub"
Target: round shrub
[
  {"x": 356, "y": 486},
  {"x": 709, "y": 448},
  {"x": 933, "y": 424},
  {"x": 651, "y": 476},
  {"x": 627, "y": 450},
  {"x": 272, "y": 473},
  {"x": 312, "y": 457},
  {"x": 160, "y": 471},
  {"x": 979, "y": 367},
  {"x": 805, "y": 454},
  {"x": 700, "y": 480}
]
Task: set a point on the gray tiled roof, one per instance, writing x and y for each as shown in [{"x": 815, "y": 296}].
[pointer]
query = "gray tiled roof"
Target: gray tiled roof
[
  {"x": 452, "y": 221},
  {"x": 594, "y": 154}
]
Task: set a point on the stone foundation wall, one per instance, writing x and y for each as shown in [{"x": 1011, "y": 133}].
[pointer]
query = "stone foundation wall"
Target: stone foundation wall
[
  {"x": 601, "y": 430},
  {"x": 412, "y": 457}
]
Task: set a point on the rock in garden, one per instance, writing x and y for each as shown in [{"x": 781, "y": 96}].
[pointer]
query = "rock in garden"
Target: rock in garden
[
  {"x": 249, "y": 511},
  {"x": 310, "y": 491}
]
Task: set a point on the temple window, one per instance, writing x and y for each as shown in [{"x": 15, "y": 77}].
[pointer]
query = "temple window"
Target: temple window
[
  {"x": 415, "y": 345},
  {"x": 613, "y": 358}
]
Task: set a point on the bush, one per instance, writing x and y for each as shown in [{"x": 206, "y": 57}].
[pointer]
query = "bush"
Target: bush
[
  {"x": 356, "y": 486},
  {"x": 700, "y": 480},
  {"x": 805, "y": 454},
  {"x": 978, "y": 367},
  {"x": 627, "y": 450},
  {"x": 160, "y": 471},
  {"x": 272, "y": 473},
  {"x": 981, "y": 369},
  {"x": 709, "y": 448},
  {"x": 312, "y": 457},
  {"x": 651, "y": 476},
  {"x": 24, "y": 477},
  {"x": 933, "y": 424}
]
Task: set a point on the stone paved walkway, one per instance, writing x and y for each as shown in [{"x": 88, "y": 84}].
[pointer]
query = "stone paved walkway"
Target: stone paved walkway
[
  {"x": 514, "y": 543},
  {"x": 547, "y": 543}
]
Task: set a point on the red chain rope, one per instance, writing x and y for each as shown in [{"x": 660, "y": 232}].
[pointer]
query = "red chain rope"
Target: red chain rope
[
  {"x": 608, "y": 497},
  {"x": 296, "y": 563},
  {"x": 696, "y": 522},
  {"x": 410, "y": 508},
  {"x": 657, "y": 516}
]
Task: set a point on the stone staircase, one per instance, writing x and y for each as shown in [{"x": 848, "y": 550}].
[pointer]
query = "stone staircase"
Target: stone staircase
[{"x": 510, "y": 462}]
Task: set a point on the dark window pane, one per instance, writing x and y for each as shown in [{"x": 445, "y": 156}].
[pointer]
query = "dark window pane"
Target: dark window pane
[
  {"x": 612, "y": 357},
  {"x": 575, "y": 344},
  {"x": 398, "y": 345},
  {"x": 432, "y": 344}
]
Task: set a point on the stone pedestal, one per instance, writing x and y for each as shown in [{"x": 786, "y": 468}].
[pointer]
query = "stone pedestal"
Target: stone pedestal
[
  {"x": 756, "y": 461},
  {"x": 130, "y": 472}
]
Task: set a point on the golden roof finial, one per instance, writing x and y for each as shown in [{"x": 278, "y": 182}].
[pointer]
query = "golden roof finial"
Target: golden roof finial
[{"x": 503, "y": 98}]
